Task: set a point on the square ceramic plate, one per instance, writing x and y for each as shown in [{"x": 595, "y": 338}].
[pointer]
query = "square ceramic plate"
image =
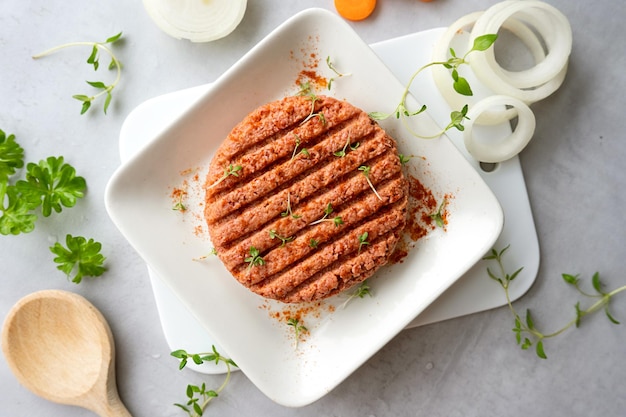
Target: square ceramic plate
[{"x": 251, "y": 329}]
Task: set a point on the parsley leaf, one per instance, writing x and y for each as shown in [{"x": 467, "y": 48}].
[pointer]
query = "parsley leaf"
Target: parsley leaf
[
  {"x": 82, "y": 258},
  {"x": 11, "y": 156},
  {"x": 16, "y": 216},
  {"x": 51, "y": 184}
]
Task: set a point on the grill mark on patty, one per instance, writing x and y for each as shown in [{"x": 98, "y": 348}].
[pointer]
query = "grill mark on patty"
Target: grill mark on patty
[
  {"x": 280, "y": 176},
  {"x": 257, "y": 149},
  {"x": 340, "y": 249},
  {"x": 240, "y": 211},
  {"x": 352, "y": 215},
  {"x": 343, "y": 274},
  {"x": 336, "y": 189}
]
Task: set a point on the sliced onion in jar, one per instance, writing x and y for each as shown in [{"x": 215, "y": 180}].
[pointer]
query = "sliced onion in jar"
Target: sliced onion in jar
[
  {"x": 196, "y": 20},
  {"x": 505, "y": 148}
]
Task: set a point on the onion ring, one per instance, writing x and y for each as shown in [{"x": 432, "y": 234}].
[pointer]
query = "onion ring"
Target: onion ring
[
  {"x": 441, "y": 74},
  {"x": 508, "y": 147},
  {"x": 196, "y": 20},
  {"x": 545, "y": 77}
]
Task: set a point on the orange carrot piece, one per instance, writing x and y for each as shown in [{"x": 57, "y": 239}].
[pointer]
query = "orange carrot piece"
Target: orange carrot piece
[{"x": 355, "y": 9}]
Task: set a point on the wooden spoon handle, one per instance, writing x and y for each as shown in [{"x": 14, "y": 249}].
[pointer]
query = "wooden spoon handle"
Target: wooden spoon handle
[{"x": 114, "y": 408}]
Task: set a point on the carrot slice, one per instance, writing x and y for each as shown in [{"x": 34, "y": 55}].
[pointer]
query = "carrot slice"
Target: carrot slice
[{"x": 355, "y": 9}]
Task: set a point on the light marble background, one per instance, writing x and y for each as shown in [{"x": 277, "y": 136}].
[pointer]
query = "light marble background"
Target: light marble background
[{"x": 469, "y": 366}]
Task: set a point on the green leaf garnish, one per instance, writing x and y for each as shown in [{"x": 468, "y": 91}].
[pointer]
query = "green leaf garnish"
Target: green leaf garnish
[
  {"x": 94, "y": 60},
  {"x": 198, "y": 396},
  {"x": 254, "y": 259},
  {"x": 51, "y": 184},
  {"x": 527, "y": 328},
  {"x": 81, "y": 258}
]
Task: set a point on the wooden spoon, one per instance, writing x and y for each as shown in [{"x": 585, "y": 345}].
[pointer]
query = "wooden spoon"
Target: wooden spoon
[{"x": 61, "y": 348}]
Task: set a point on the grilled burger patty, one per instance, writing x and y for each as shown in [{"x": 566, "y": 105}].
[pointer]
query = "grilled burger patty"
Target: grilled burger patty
[{"x": 289, "y": 207}]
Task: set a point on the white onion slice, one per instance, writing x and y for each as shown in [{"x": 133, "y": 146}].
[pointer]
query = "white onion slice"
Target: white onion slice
[
  {"x": 196, "y": 20},
  {"x": 545, "y": 77},
  {"x": 442, "y": 77},
  {"x": 508, "y": 147}
]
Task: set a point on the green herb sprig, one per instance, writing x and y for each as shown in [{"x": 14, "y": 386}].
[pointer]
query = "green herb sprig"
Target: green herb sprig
[
  {"x": 526, "y": 333},
  {"x": 198, "y": 396},
  {"x": 298, "y": 329},
  {"x": 343, "y": 151},
  {"x": 106, "y": 90},
  {"x": 460, "y": 85},
  {"x": 437, "y": 216},
  {"x": 360, "y": 291},
  {"x": 283, "y": 239},
  {"x": 337, "y": 221},
  {"x": 51, "y": 184},
  {"x": 363, "y": 241},
  {"x": 338, "y": 74},
  {"x": 366, "y": 173},
  {"x": 230, "y": 170},
  {"x": 255, "y": 258},
  {"x": 81, "y": 258},
  {"x": 306, "y": 90},
  {"x": 289, "y": 211},
  {"x": 303, "y": 151}
]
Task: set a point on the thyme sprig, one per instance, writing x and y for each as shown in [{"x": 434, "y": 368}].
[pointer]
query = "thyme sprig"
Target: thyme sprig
[
  {"x": 526, "y": 332},
  {"x": 106, "y": 90},
  {"x": 365, "y": 169},
  {"x": 460, "y": 85},
  {"x": 228, "y": 171},
  {"x": 198, "y": 396}
]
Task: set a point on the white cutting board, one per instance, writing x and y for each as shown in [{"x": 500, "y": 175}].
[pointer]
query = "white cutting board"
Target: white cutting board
[{"x": 472, "y": 293}]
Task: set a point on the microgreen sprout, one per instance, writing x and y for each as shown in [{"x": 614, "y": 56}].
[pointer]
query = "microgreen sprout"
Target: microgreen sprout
[
  {"x": 360, "y": 291},
  {"x": 298, "y": 329},
  {"x": 333, "y": 69},
  {"x": 255, "y": 258},
  {"x": 363, "y": 241},
  {"x": 284, "y": 240},
  {"x": 305, "y": 90},
  {"x": 213, "y": 252},
  {"x": 179, "y": 206},
  {"x": 288, "y": 211},
  {"x": 460, "y": 85},
  {"x": 404, "y": 159},
  {"x": 228, "y": 171},
  {"x": 303, "y": 151},
  {"x": 198, "y": 396},
  {"x": 327, "y": 211},
  {"x": 94, "y": 60},
  {"x": 314, "y": 243},
  {"x": 342, "y": 152},
  {"x": 366, "y": 173},
  {"x": 438, "y": 216},
  {"x": 526, "y": 333}
]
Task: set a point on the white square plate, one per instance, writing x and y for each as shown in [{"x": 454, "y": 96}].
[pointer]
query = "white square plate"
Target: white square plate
[{"x": 138, "y": 199}]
